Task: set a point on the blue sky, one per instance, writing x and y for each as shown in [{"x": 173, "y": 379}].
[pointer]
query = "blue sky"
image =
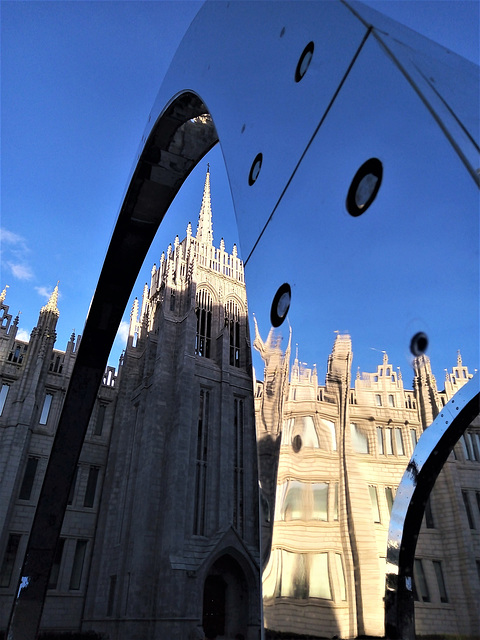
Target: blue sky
[{"x": 78, "y": 82}]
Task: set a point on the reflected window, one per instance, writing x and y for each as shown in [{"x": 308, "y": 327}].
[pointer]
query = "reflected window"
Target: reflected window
[
  {"x": 320, "y": 576},
  {"x": 310, "y": 437},
  {"x": 335, "y": 501},
  {"x": 203, "y": 312},
  {"x": 391, "y": 400},
  {"x": 331, "y": 428},
  {"x": 341, "y": 576},
  {"x": 320, "y": 501},
  {"x": 359, "y": 439},
  {"x": 293, "y": 505},
  {"x": 372, "y": 490},
  {"x": 378, "y": 400},
  {"x": 294, "y": 580}
]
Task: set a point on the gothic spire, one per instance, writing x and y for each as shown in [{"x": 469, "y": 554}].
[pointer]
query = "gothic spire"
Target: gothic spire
[
  {"x": 3, "y": 294},
  {"x": 204, "y": 227},
  {"x": 52, "y": 303}
]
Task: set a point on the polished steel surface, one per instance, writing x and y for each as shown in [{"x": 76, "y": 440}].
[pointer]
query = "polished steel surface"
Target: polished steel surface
[
  {"x": 372, "y": 89},
  {"x": 429, "y": 456}
]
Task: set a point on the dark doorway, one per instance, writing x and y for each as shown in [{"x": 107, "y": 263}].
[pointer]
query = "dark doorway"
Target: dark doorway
[
  {"x": 225, "y": 600},
  {"x": 214, "y": 606}
]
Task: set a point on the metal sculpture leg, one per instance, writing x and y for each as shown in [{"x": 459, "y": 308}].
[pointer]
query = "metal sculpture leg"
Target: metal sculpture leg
[
  {"x": 178, "y": 141},
  {"x": 427, "y": 461}
]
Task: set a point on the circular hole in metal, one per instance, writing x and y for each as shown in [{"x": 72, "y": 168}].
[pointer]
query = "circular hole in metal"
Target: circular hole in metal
[
  {"x": 280, "y": 305},
  {"x": 297, "y": 444},
  {"x": 255, "y": 169},
  {"x": 364, "y": 187},
  {"x": 304, "y": 61},
  {"x": 419, "y": 344}
]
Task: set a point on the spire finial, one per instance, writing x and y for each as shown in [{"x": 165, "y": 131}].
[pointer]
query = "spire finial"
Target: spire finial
[
  {"x": 4, "y": 293},
  {"x": 459, "y": 357},
  {"x": 204, "y": 227},
  {"x": 52, "y": 302}
]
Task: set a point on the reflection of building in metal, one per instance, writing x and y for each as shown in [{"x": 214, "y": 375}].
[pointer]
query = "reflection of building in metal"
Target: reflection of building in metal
[
  {"x": 162, "y": 531},
  {"x": 343, "y": 452}
]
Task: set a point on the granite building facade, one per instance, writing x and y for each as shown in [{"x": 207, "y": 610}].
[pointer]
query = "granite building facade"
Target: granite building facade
[{"x": 343, "y": 447}]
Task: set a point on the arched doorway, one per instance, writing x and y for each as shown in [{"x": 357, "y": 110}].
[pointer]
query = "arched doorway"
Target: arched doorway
[{"x": 225, "y": 600}]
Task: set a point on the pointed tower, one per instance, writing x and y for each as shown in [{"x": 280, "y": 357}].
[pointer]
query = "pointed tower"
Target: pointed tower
[{"x": 426, "y": 392}]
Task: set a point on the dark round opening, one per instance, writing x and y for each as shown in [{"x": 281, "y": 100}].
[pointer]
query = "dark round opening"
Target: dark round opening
[
  {"x": 304, "y": 62},
  {"x": 280, "y": 305},
  {"x": 364, "y": 187},
  {"x": 255, "y": 169},
  {"x": 419, "y": 344},
  {"x": 297, "y": 443}
]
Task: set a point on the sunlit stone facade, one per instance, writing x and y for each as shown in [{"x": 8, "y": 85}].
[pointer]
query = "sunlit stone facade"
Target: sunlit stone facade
[{"x": 343, "y": 448}]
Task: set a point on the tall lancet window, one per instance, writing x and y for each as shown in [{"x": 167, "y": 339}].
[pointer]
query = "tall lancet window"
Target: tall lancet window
[
  {"x": 201, "y": 463},
  {"x": 204, "y": 323},
  {"x": 232, "y": 321},
  {"x": 238, "y": 465}
]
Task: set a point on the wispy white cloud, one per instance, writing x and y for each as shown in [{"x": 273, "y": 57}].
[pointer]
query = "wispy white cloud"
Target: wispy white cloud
[
  {"x": 14, "y": 254},
  {"x": 44, "y": 292},
  {"x": 122, "y": 333},
  {"x": 11, "y": 238},
  {"x": 22, "y": 334},
  {"x": 20, "y": 271}
]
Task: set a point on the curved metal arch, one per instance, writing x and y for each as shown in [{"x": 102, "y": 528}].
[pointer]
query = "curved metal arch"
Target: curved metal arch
[
  {"x": 180, "y": 137},
  {"x": 429, "y": 456}
]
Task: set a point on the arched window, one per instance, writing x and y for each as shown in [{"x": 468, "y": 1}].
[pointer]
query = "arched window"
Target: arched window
[
  {"x": 232, "y": 321},
  {"x": 203, "y": 311}
]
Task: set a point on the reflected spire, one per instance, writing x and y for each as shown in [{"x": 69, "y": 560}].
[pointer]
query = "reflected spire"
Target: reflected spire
[{"x": 204, "y": 227}]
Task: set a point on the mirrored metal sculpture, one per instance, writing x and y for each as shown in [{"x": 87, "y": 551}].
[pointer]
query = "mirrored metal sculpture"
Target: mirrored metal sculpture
[{"x": 351, "y": 145}]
